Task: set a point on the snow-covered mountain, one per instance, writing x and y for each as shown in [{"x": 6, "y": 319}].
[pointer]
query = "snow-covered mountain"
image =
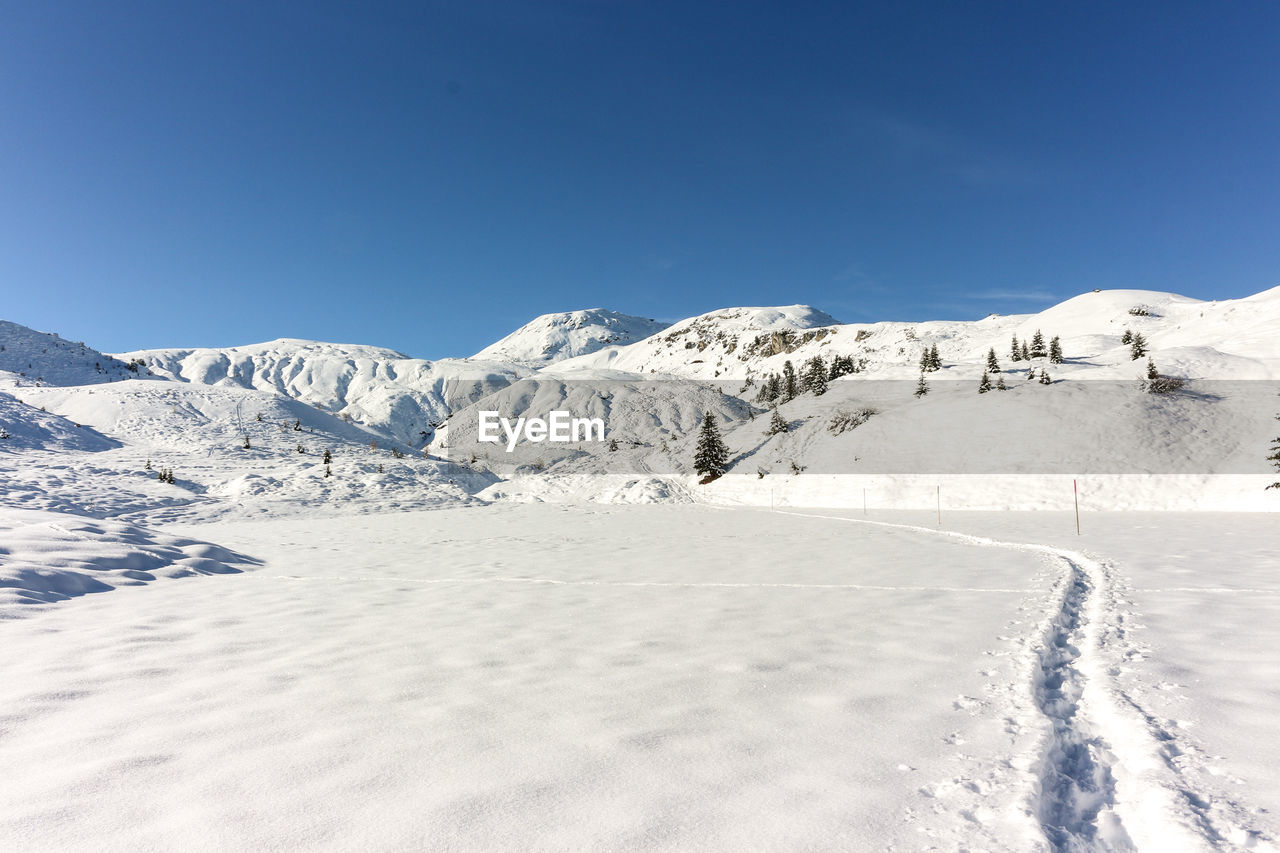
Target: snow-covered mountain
[
  {"x": 65, "y": 408},
  {"x": 555, "y": 337},
  {"x": 28, "y": 357},
  {"x": 384, "y": 390},
  {"x": 1230, "y": 339}
]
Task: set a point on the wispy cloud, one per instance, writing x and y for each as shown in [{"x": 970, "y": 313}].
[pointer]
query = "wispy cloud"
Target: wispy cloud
[{"x": 1011, "y": 296}]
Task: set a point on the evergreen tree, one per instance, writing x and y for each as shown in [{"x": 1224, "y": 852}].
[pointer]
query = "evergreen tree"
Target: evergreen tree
[
  {"x": 1275, "y": 457},
  {"x": 1152, "y": 373},
  {"x": 1026, "y": 352},
  {"x": 328, "y": 457},
  {"x": 1037, "y": 345},
  {"x": 985, "y": 385},
  {"x": 815, "y": 378},
  {"x": 1127, "y": 337},
  {"x": 246, "y": 442},
  {"x": 1015, "y": 354},
  {"x": 297, "y": 426},
  {"x": 1044, "y": 377},
  {"x": 789, "y": 385},
  {"x": 1055, "y": 351},
  {"x": 922, "y": 387},
  {"x": 935, "y": 360},
  {"x": 711, "y": 457},
  {"x": 1138, "y": 347},
  {"x": 926, "y": 364},
  {"x": 993, "y": 366},
  {"x": 613, "y": 445},
  {"x": 777, "y": 424},
  {"x": 1000, "y": 386}
]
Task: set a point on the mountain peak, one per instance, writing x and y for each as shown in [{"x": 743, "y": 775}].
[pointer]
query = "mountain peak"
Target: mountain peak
[{"x": 554, "y": 337}]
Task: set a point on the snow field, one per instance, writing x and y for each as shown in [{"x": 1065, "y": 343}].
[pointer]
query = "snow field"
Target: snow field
[{"x": 537, "y": 677}]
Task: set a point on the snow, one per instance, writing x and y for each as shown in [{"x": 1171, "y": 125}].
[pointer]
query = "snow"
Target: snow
[
  {"x": 556, "y": 337},
  {"x": 635, "y": 678},
  {"x": 397, "y": 396},
  {"x": 573, "y": 647}
]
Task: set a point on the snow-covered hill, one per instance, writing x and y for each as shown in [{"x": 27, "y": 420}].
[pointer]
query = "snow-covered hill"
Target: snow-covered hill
[
  {"x": 28, "y": 357},
  {"x": 555, "y": 337},
  {"x": 1232, "y": 339},
  {"x": 389, "y": 392}
]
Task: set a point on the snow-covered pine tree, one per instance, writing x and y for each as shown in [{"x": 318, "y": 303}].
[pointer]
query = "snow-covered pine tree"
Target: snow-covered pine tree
[
  {"x": 925, "y": 363},
  {"x": 1044, "y": 377},
  {"x": 816, "y": 376},
  {"x": 711, "y": 457},
  {"x": 777, "y": 423},
  {"x": 1127, "y": 337},
  {"x": 993, "y": 366},
  {"x": 1037, "y": 345},
  {"x": 246, "y": 443},
  {"x": 935, "y": 360},
  {"x": 1055, "y": 351},
  {"x": 789, "y": 385},
  {"x": 985, "y": 385},
  {"x": 1015, "y": 354},
  {"x": 1000, "y": 386},
  {"x": 1152, "y": 372},
  {"x": 1137, "y": 347},
  {"x": 1026, "y": 352},
  {"x": 613, "y": 445},
  {"x": 328, "y": 457},
  {"x": 922, "y": 387}
]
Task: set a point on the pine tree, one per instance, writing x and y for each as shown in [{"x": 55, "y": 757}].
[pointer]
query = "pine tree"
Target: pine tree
[
  {"x": 1026, "y": 352},
  {"x": 985, "y": 385},
  {"x": 328, "y": 457},
  {"x": 993, "y": 366},
  {"x": 297, "y": 426},
  {"x": 1138, "y": 347},
  {"x": 1127, "y": 337},
  {"x": 1055, "y": 351},
  {"x": 147, "y": 467},
  {"x": 815, "y": 379},
  {"x": 1000, "y": 386},
  {"x": 922, "y": 387},
  {"x": 246, "y": 443},
  {"x": 789, "y": 387},
  {"x": 777, "y": 424},
  {"x": 1015, "y": 354},
  {"x": 935, "y": 360},
  {"x": 1275, "y": 457},
  {"x": 613, "y": 445},
  {"x": 1037, "y": 345},
  {"x": 711, "y": 457},
  {"x": 1044, "y": 377},
  {"x": 926, "y": 364},
  {"x": 1152, "y": 372}
]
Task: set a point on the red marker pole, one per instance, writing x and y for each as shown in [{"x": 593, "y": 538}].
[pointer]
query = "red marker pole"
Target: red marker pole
[{"x": 1075, "y": 494}]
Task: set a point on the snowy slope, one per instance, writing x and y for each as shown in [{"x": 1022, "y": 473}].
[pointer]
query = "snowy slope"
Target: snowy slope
[
  {"x": 398, "y": 396},
  {"x": 1230, "y": 339},
  {"x": 555, "y": 337},
  {"x": 28, "y": 357}
]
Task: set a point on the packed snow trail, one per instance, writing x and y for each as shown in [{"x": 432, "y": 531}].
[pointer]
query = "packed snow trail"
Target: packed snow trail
[{"x": 1108, "y": 776}]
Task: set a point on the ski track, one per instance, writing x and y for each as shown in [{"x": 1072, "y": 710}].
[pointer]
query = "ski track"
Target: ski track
[{"x": 1109, "y": 778}]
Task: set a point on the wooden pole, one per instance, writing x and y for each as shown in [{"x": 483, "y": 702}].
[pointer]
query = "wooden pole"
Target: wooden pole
[{"x": 1075, "y": 494}]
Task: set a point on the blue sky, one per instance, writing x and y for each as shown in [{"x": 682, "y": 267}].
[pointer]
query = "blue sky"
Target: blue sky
[{"x": 428, "y": 176}]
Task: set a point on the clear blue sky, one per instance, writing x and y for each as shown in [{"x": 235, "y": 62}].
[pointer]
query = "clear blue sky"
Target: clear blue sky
[{"x": 428, "y": 176}]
